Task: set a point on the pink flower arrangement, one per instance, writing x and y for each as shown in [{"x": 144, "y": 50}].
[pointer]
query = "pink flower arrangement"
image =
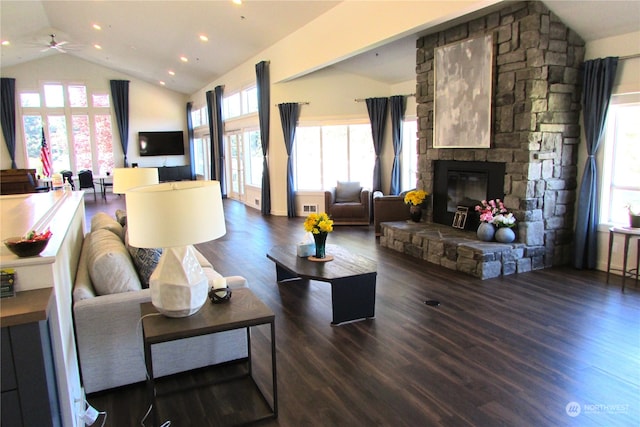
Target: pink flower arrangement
[{"x": 488, "y": 209}]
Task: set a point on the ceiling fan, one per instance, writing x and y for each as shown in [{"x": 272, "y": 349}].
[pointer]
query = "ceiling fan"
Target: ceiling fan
[{"x": 53, "y": 44}]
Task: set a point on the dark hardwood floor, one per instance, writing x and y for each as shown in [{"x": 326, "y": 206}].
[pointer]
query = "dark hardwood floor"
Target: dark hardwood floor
[{"x": 530, "y": 349}]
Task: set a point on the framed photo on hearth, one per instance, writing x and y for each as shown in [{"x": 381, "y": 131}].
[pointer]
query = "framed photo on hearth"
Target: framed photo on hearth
[{"x": 463, "y": 88}]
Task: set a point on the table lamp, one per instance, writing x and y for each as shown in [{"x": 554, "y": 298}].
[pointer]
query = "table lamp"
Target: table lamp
[
  {"x": 126, "y": 178},
  {"x": 174, "y": 216}
]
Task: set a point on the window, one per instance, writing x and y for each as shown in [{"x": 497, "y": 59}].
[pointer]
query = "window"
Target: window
[
  {"x": 254, "y": 154},
  {"x": 324, "y": 155},
  {"x": 78, "y": 133},
  {"x": 240, "y": 103},
  {"x": 621, "y": 167},
  {"x": 409, "y": 157},
  {"x": 199, "y": 117}
]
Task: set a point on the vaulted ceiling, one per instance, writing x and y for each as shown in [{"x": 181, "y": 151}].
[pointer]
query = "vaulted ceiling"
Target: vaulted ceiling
[{"x": 146, "y": 39}]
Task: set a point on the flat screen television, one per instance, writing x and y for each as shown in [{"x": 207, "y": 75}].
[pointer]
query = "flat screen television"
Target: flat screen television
[{"x": 168, "y": 143}]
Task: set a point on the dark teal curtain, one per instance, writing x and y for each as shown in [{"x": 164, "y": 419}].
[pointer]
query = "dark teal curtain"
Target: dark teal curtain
[
  {"x": 120, "y": 96},
  {"x": 264, "y": 115},
  {"x": 377, "y": 108},
  {"x": 289, "y": 118},
  {"x": 190, "y": 139},
  {"x": 212, "y": 132},
  {"x": 8, "y": 116},
  {"x": 398, "y": 105},
  {"x": 219, "y": 137},
  {"x": 597, "y": 83}
]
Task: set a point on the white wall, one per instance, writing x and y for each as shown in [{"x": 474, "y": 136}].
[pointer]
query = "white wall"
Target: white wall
[
  {"x": 627, "y": 81},
  {"x": 150, "y": 107}
]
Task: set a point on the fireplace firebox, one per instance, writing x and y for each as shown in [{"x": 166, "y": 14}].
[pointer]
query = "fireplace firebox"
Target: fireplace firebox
[{"x": 460, "y": 186}]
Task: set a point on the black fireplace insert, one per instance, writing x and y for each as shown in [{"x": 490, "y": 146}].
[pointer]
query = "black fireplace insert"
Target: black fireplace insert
[{"x": 460, "y": 186}]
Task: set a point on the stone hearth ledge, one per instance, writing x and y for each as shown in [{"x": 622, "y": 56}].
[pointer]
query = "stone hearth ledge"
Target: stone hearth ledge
[{"x": 460, "y": 250}]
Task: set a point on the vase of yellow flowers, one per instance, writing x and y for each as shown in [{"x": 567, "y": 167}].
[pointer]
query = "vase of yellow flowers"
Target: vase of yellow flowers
[
  {"x": 319, "y": 225},
  {"x": 414, "y": 199}
]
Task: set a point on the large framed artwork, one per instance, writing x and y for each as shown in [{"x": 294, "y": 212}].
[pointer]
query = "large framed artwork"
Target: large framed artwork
[{"x": 463, "y": 89}]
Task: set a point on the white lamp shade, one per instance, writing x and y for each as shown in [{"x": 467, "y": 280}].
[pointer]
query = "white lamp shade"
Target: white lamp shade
[
  {"x": 127, "y": 178},
  {"x": 175, "y": 214}
]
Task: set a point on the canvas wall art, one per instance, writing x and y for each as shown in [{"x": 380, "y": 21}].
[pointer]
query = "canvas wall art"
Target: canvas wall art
[{"x": 463, "y": 89}]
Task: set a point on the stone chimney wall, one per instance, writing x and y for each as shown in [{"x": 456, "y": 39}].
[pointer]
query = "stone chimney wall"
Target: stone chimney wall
[{"x": 535, "y": 125}]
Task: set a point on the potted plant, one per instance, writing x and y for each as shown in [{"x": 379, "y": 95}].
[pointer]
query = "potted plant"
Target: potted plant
[
  {"x": 414, "y": 199},
  {"x": 634, "y": 215},
  {"x": 488, "y": 211},
  {"x": 320, "y": 225}
]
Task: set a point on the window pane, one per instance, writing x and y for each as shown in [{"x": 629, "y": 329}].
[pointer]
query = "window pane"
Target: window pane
[
  {"x": 198, "y": 156},
  {"x": 104, "y": 143},
  {"x": 204, "y": 116},
  {"x": 409, "y": 154},
  {"x": 621, "y": 171},
  {"x": 53, "y": 95},
  {"x": 232, "y": 106},
  {"x": 255, "y": 158},
  {"x": 308, "y": 158},
  {"x": 195, "y": 118},
  {"x": 100, "y": 100},
  {"x": 77, "y": 96},
  {"x": 251, "y": 100},
  {"x": 58, "y": 143},
  {"x": 33, "y": 140},
  {"x": 334, "y": 152},
  {"x": 81, "y": 141},
  {"x": 234, "y": 161},
  {"x": 30, "y": 99},
  {"x": 361, "y": 155}
]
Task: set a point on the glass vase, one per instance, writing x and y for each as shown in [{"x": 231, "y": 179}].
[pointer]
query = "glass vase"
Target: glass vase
[{"x": 321, "y": 243}]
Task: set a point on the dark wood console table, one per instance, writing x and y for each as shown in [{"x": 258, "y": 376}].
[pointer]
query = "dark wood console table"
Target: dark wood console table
[{"x": 352, "y": 278}]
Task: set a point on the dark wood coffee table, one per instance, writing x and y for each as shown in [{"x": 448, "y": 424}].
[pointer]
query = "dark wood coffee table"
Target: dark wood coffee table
[{"x": 352, "y": 278}]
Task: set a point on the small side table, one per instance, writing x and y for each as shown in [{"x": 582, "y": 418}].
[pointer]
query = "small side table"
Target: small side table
[
  {"x": 243, "y": 310},
  {"x": 628, "y": 233}
]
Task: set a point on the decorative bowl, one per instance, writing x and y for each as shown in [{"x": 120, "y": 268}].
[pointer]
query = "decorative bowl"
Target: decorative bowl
[{"x": 26, "y": 248}]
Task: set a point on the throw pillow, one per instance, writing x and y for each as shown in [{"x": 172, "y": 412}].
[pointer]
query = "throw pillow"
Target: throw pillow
[
  {"x": 102, "y": 221},
  {"x": 348, "y": 192},
  {"x": 145, "y": 261},
  {"x": 121, "y": 217},
  {"x": 110, "y": 266}
]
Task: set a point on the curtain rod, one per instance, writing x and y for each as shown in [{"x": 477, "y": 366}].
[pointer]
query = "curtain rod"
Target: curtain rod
[
  {"x": 364, "y": 99},
  {"x": 300, "y": 103},
  {"x": 637, "y": 55}
]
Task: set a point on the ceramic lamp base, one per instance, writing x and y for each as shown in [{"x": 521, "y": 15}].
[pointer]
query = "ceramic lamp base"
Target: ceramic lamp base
[{"x": 178, "y": 285}]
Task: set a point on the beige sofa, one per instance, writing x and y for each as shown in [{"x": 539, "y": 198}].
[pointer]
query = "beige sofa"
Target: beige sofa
[{"x": 107, "y": 321}]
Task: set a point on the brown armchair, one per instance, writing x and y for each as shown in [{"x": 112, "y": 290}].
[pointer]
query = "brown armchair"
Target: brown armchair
[
  {"x": 348, "y": 204},
  {"x": 387, "y": 209}
]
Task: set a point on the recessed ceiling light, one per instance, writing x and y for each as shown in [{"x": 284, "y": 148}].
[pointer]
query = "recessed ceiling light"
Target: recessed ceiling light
[
  {"x": 184, "y": 59},
  {"x": 6, "y": 42},
  {"x": 172, "y": 73},
  {"x": 97, "y": 46},
  {"x": 204, "y": 38},
  {"x": 96, "y": 27},
  {"x": 162, "y": 83}
]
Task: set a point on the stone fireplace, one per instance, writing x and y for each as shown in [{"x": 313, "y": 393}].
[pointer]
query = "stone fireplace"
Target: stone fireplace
[{"x": 535, "y": 132}]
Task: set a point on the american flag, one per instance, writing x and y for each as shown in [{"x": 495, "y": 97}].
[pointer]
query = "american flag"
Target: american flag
[{"x": 45, "y": 157}]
